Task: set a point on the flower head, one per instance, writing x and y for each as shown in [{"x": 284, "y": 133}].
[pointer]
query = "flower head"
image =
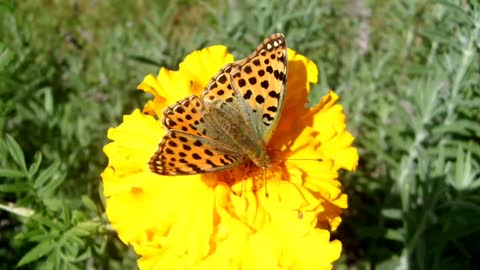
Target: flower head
[{"x": 225, "y": 220}]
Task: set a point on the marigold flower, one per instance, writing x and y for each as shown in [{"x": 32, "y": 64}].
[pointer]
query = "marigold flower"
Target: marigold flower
[{"x": 225, "y": 220}]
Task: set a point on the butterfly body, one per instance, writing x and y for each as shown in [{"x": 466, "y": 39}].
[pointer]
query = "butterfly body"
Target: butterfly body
[
  {"x": 233, "y": 120},
  {"x": 231, "y": 123}
]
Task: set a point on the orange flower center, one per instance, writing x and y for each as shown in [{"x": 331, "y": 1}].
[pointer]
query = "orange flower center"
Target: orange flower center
[{"x": 252, "y": 177}]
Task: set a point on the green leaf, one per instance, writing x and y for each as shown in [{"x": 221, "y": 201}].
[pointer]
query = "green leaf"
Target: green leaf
[
  {"x": 51, "y": 262},
  {"x": 85, "y": 228},
  {"x": 18, "y": 187},
  {"x": 395, "y": 234},
  {"x": 143, "y": 59},
  {"x": 48, "y": 102},
  {"x": 392, "y": 213},
  {"x": 16, "y": 152},
  {"x": 84, "y": 256},
  {"x": 67, "y": 216},
  {"x": 37, "y": 160},
  {"x": 51, "y": 186},
  {"x": 460, "y": 12},
  {"x": 11, "y": 173},
  {"x": 54, "y": 226},
  {"x": 460, "y": 127},
  {"x": 73, "y": 238},
  {"x": 89, "y": 203},
  {"x": 391, "y": 263},
  {"x": 39, "y": 251},
  {"x": 6, "y": 56},
  {"x": 436, "y": 35},
  {"x": 464, "y": 177},
  {"x": 46, "y": 175}
]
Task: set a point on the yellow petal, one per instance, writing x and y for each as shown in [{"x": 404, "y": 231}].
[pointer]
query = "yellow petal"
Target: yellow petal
[
  {"x": 168, "y": 87},
  {"x": 201, "y": 66},
  {"x": 216, "y": 220}
]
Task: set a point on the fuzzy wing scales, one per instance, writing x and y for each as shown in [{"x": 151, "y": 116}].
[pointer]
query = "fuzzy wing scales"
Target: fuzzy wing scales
[
  {"x": 181, "y": 153},
  {"x": 185, "y": 115},
  {"x": 232, "y": 120},
  {"x": 261, "y": 80}
]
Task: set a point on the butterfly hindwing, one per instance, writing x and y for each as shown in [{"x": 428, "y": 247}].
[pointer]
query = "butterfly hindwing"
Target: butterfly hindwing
[
  {"x": 181, "y": 153},
  {"x": 185, "y": 115},
  {"x": 193, "y": 142},
  {"x": 220, "y": 87}
]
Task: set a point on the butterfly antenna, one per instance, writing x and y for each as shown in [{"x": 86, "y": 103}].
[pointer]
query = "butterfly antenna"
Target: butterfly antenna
[
  {"x": 265, "y": 181},
  {"x": 307, "y": 159},
  {"x": 243, "y": 187}
]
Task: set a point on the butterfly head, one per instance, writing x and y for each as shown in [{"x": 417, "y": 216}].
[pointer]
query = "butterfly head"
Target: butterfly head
[{"x": 263, "y": 162}]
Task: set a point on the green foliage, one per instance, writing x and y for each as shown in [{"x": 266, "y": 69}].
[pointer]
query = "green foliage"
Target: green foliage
[
  {"x": 408, "y": 73},
  {"x": 417, "y": 119}
]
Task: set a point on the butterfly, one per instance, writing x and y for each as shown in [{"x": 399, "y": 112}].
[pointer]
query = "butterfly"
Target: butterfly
[{"x": 232, "y": 121}]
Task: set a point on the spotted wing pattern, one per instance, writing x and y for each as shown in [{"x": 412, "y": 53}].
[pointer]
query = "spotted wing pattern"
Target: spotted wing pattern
[
  {"x": 185, "y": 115},
  {"x": 181, "y": 153},
  {"x": 220, "y": 87},
  {"x": 232, "y": 121},
  {"x": 191, "y": 146},
  {"x": 259, "y": 82}
]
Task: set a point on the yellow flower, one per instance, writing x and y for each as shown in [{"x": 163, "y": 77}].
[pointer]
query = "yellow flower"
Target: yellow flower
[{"x": 215, "y": 220}]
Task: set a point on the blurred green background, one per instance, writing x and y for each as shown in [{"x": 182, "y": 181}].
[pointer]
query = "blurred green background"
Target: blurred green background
[{"x": 407, "y": 72}]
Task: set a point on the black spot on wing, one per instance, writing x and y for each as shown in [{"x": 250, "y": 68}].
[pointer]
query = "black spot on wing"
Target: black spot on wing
[
  {"x": 241, "y": 83},
  {"x": 272, "y": 109},
  {"x": 259, "y": 99},
  {"x": 222, "y": 79},
  {"x": 265, "y": 84},
  {"x": 248, "y": 94},
  {"x": 179, "y": 109},
  {"x": 274, "y": 94}
]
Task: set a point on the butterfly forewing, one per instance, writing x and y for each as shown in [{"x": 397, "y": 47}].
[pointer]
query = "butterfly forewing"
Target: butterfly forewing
[{"x": 261, "y": 80}]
